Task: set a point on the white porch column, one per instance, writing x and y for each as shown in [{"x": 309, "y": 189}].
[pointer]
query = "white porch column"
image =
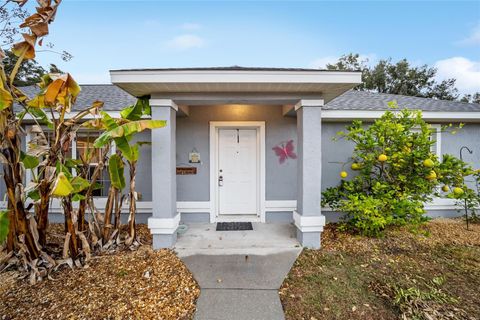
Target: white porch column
[
  {"x": 308, "y": 217},
  {"x": 165, "y": 219}
]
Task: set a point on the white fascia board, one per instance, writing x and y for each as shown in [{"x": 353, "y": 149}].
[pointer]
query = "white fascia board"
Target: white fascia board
[
  {"x": 336, "y": 115},
  {"x": 233, "y": 76}
]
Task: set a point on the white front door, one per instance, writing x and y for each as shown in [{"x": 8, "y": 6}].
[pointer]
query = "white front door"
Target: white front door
[{"x": 237, "y": 171}]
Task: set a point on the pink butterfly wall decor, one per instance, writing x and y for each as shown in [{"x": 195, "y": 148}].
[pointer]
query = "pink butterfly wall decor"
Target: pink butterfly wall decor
[{"x": 284, "y": 151}]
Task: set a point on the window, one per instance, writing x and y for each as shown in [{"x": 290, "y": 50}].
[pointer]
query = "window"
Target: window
[
  {"x": 436, "y": 136},
  {"x": 81, "y": 148},
  {"x": 84, "y": 150}
]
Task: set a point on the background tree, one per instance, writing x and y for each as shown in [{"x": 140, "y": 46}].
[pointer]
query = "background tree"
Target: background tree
[
  {"x": 472, "y": 98},
  {"x": 398, "y": 78},
  {"x": 29, "y": 71}
]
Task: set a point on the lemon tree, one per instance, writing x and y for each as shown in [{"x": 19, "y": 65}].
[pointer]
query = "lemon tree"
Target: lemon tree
[{"x": 396, "y": 172}]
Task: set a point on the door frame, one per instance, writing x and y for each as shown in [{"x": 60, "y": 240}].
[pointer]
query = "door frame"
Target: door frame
[{"x": 215, "y": 126}]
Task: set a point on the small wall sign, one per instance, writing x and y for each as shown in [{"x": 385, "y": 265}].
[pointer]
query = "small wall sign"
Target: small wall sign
[
  {"x": 194, "y": 157},
  {"x": 186, "y": 170}
]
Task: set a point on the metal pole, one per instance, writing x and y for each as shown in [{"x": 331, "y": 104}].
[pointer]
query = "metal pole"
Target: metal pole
[{"x": 465, "y": 200}]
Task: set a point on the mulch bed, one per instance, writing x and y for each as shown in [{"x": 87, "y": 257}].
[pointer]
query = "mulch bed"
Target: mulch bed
[
  {"x": 356, "y": 277},
  {"x": 141, "y": 284}
]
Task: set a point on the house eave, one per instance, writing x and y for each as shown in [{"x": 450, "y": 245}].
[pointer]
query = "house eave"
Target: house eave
[
  {"x": 431, "y": 116},
  {"x": 329, "y": 84}
]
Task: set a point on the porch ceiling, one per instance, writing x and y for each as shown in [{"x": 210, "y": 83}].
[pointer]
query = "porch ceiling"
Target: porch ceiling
[{"x": 294, "y": 83}]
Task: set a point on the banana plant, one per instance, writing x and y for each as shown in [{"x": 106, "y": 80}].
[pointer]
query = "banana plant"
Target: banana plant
[
  {"x": 36, "y": 26},
  {"x": 121, "y": 131}
]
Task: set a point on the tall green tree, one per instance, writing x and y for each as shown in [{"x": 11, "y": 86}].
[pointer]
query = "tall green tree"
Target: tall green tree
[
  {"x": 398, "y": 78},
  {"x": 472, "y": 98},
  {"x": 29, "y": 72}
]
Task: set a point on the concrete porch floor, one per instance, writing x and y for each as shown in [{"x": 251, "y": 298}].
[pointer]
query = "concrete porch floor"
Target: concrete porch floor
[{"x": 264, "y": 239}]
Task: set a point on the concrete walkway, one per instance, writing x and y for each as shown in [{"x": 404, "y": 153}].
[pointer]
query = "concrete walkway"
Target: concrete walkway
[{"x": 239, "y": 272}]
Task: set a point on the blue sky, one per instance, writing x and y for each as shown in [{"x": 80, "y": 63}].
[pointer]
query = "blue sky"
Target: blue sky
[{"x": 103, "y": 35}]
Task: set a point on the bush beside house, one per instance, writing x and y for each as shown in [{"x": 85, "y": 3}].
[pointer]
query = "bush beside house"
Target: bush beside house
[{"x": 397, "y": 173}]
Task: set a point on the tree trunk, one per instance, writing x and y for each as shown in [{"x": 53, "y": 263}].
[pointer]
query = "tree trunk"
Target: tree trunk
[
  {"x": 12, "y": 229},
  {"x": 42, "y": 212},
  {"x": 14, "y": 183},
  {"x": 82, "y": 208},
  {"x": 107, "y": 225},
  {"x": 133, "y": 203},
  {"x": 118, "y": 209},
  {"x": 70, "y": 226}
]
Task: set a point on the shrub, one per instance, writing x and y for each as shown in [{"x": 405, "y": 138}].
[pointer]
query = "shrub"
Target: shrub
[{"x": 397, "y": 172}]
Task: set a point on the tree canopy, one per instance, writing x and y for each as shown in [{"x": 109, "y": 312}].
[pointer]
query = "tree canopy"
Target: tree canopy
[
  {"x": 30, "y": 71},
  {"x": 401, "y": 77}
]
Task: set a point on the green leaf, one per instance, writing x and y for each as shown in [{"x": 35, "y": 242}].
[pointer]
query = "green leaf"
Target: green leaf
[
  {"x": 128, "y": 129},
  {"x": 30, "y": 162},
  {"x": 41, "y": 115},
  {"x": 79, "y": 184},
  {"x": 34, "y": 195},
  {"x": 109, "y": 122},
  {"x": 4, "y": 222},
  {"x": 135, "y": 112},
  {"x": 60, "y": 168},
  {"x": 116, "y": 171},
  {"x": 78, "y": 197}
]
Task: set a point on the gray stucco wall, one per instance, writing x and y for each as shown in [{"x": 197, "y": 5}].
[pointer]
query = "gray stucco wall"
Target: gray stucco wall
[
  {"x": 340, "y": 150},
  {"x": 193, "y": 132},
  {"x": 144, "y": 167},
  {"x": 468, "y": 136}
]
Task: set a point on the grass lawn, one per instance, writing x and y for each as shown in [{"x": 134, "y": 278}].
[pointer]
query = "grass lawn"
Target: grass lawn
[
  {"x": 142, "y": 284},
  {"x": 433, "y": 273}
]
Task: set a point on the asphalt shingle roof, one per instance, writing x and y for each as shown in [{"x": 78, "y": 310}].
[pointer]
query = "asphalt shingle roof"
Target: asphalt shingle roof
[
  {"x": 115, "y": 99},
  {"x": 232, "y": 68},
  {"x": 362, "y": 100}
]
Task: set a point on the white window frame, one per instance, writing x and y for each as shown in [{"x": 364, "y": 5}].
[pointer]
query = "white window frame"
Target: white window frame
[
  {"x": 437, "y": 135},
  {"x": 28, "y": 173}
]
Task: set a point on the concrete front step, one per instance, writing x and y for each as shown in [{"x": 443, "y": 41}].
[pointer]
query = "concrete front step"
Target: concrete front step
[
  {"x": 242, "y": 271},
  {"x": 234, "y": 304}
]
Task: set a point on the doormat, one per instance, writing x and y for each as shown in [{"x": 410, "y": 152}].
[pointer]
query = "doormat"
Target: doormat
[{"x": 234, "y": 226}]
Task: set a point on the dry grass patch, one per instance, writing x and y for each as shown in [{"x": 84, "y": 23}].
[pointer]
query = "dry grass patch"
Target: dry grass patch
[
  {"x": 143, "y": 284},
  {"x": 429, "y": 273}
]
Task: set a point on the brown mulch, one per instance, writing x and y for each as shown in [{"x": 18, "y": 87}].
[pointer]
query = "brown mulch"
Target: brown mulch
[
  {"x": 356, "y": 277},
  {"x": 141, "y": 284}
]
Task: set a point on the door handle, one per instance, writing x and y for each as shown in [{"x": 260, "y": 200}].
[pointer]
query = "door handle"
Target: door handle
[{"x": 220, "y": 181}]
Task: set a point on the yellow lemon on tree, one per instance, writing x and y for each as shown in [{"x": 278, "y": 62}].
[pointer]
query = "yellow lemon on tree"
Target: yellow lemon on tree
[
  {"x": 343, "y": 174},
  {"x": 457, "y": 191},
  {"x": 355, "y": 166},
  {"x": 432, "y": 175},
  {"x": 428, "y": 163},
  {"x": 382, "y": 157},
  {"x": 445, "y": 189}
]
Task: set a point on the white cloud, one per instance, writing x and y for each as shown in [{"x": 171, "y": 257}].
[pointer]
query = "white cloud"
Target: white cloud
[
  {"x": 321, "y": 63},
  {"x": 186, "y": 41},
  {"x": 467, "y": 73},
  {"x": 190, "y": 26},
  {"x": 473, "y": 38}
]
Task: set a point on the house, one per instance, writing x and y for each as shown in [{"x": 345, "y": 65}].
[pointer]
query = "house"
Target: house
[{"x": 254, "y": 144}]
